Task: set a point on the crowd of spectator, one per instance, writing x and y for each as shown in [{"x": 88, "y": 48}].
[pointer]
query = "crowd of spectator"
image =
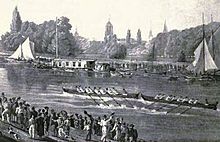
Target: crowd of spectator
[{"x": 45, "y": 121}]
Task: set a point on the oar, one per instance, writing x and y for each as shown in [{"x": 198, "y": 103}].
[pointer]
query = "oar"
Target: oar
[
  {"x": 161, "y": 107},
  {"x": 186, "y": 110},
  {"x": 150, "y": 105},
  {"x": 92, "y": 98},
  {"x": 127, "y": 101},
  {"x": 101, "y": 98},
  {"x": 113, "y": 98},
  {"x": 124, "y": 98},
  {"x": 173, "y": 108}
]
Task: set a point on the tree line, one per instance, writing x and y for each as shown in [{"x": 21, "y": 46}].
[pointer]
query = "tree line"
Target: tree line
[{"x": 43, "y": 35}]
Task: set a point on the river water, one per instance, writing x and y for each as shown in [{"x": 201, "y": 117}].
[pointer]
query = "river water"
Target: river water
[{"x": 44, "y": 88}]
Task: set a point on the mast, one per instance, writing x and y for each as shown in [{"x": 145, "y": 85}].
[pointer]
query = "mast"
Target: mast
[
  {"x": 153, "y": 56},
  {"x": 213, "y": 44},
  {"x": 57, "y": 50},
  {"x": 22, "y": 56},
  {"x": 153, "y": 50},
  {"x": 203, "y": 42}
]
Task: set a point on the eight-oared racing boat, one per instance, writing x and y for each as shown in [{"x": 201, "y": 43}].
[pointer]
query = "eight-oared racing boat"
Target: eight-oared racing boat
[
  {"x": 107, "y": 92},
  {"x": 162, "y": 98}
]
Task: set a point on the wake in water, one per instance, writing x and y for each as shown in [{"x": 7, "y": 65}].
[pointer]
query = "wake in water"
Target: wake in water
[{"x": 84, "y": 102}]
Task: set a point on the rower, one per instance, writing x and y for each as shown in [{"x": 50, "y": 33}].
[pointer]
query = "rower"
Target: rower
[
  {"x": 206, "y": 102},
  {"x": 191, "y": 101},
  {"x": 157, "y": 96},
  {"x": 109, "y": 91},
  {"x": 90, "y": 90},
  {"x": 162, "y": 96},
  {"x": 195, "y": 102},
  {"x": 180, "y": 99},
  {"x": 114, "y": 91},
  {"x": 81, "y": 89},
  {"x": 97, "y": 91},
  {"x": 173, "y": 98},
  {"x": 87, "y": 90},
  {"x": 185, "y": 100},
  {"x": 103, "y": 92},
  {"x": 125, "y": 92},
  {"x": 168, "y": 98},
  {"x": 77, "y": 89}
]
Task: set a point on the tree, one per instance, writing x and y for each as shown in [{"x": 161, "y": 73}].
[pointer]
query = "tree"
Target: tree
[
  {"x": 118, "y": 52},
  {"x": 44, "y": 37},
  {"x": 128, "y": 37},
  {"x": 152, "y": 56},
  {"x": 139, "y": 39},
  {"x": 16, "y": 21},
  {"x": 182, "y": 57}
]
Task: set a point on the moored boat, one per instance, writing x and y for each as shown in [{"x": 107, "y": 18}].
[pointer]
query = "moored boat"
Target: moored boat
[
  {"x": 23, "y": 53},
  {"x": 204, "y": 64}
]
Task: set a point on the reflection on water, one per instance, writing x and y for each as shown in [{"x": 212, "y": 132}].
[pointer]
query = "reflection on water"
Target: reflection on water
[{"x": 43, "y": 87}]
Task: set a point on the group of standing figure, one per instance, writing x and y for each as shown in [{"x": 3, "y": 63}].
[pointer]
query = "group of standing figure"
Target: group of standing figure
[{"x": 42, "y": 122}]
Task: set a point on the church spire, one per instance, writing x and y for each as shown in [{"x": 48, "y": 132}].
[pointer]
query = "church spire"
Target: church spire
[
  {"x": 212, "y": 19},
  {"x": 165, "y": 29},
  {"x": 76, "y": 34}
]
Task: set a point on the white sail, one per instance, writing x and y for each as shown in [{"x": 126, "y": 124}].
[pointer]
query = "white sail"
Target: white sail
[
  {"x": 203, "y": 60},
  {"x": 209, "y": 62},
  {"x": 216, "y": 45},
  {"x": 17, "y": 54},
  {"x": 23, "y": 51},
  {"x": 27, "y": 52}
]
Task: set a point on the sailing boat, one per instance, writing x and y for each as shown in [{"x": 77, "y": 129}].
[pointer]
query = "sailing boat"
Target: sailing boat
[
  {"x": 23, "y": 52},
  {"x": 203, "y": 62}
]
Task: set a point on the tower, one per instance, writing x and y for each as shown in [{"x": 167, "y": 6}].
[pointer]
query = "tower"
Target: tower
[
  {"x": 128, "y": 37},
  {"x": 108, "y": 32},
  {"x": 165, "y": 29},
  {"x": 139, "y": 39},
  {"x": 150, "y": 36}
]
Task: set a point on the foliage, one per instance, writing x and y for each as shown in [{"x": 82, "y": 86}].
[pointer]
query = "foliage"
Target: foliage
[
  {"x": 16, "y": 21},
  {"x": 182, "y": 57},
  {"x": 43, "y": 36},
  {"x": 118, "y": 52}
]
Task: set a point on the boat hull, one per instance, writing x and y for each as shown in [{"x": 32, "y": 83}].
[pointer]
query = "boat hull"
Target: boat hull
[
  {"x": 74, "y": 91},
  {"x": 197, "y": 105}
]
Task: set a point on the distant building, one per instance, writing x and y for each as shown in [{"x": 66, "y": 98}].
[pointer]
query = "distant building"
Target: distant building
[
  {"x": 128, "y": 37},
  {"x": 108, "y": 32},
  {"x": 150, "y": 36},
  {"x": 139, "y": 39},
  {"x": 73, "y": 64}
]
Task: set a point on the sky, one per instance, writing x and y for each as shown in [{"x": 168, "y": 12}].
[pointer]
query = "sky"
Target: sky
[{"x": 90, "y": 16}]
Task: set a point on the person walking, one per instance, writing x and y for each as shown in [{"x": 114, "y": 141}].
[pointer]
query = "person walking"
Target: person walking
[{"x": 32, "y": 127}]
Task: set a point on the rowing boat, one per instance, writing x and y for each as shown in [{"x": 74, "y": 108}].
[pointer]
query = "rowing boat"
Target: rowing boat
[
  {"x": 137, "y": 96},
  {"x": 182, "y": 103},
  {"x": 102, "y": 94}
]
